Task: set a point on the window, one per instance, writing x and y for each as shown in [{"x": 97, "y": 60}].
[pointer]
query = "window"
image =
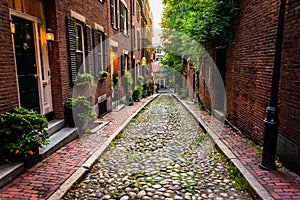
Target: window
[
  {"x": 79, "y": 47},
  {"x": 98, "y": 46},
  {"x": 113, "y": 13},
  {"x": 123, "y": 19}
]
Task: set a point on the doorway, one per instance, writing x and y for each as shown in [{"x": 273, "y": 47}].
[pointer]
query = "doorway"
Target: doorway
[{"x": 26, "y": 64}]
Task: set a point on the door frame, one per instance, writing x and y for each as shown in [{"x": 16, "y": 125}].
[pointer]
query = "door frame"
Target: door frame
[{"x": 44, "y": 86}]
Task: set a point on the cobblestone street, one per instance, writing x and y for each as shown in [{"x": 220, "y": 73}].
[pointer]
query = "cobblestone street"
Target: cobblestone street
[{"x": 161, "y": 154}]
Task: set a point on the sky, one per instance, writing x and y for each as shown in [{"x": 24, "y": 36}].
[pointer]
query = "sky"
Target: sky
[{"x": 157, "y": 10}]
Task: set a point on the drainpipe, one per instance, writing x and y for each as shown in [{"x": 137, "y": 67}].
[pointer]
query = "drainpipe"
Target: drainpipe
[{"x": 272, "y": 121}]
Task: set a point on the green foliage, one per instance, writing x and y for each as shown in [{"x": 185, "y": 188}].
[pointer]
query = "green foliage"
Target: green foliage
[
  {"x": 128, "y": 78},
  {"x": 103, "y": 74},
  {"x": 172, "y": 61},
  {"x": 183, "y": 93},
  {"x": 137, "y": 93},
  {"x": 22, "y": 131},
  {"x": 115, "y": 80},
  {"x": 239, "y": 181},
  {"x": 84, "y": 79},
  {"x": 141, "y": 80},
  {"x": 80, "y": 110},
  {"x": 207, "y": 22}
]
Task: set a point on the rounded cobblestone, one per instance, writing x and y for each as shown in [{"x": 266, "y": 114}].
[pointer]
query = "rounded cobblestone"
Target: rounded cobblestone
[{"x": 161, "y": 154}]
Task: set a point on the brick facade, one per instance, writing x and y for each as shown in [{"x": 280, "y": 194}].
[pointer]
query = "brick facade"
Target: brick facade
[
  {"x": 8, "y": 83},
  {"x": 94, "y": 12},
  {"x": 249, "y": 68}
]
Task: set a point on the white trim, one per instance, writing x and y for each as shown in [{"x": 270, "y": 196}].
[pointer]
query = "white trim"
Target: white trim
[
  {"x": 99, "y": 27},
  {"x": 24, "y": 16},
  {"x": 113, "y": 43},
  {"x": 125, "y": 4},
  {"x": 78, "y": 16}
]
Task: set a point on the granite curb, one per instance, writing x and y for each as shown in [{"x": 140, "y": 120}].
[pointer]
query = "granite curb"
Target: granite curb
[
  {"x": 87, "y": 165},
  {"x": 256, "y": 187}
]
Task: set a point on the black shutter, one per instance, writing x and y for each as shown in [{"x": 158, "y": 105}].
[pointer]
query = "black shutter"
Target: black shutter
[
  {"x": 96, "y": 42},
  {"x": 112, "y": 17},
  {"x": 88, "y": 49},
  {"x": 105, "y": 52},
  {"x": 122, "y": 21},
  {"x": 71, "y": 37}
]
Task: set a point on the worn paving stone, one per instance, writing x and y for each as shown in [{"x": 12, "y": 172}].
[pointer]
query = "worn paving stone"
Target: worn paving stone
[{"x": 161, "y": 154}]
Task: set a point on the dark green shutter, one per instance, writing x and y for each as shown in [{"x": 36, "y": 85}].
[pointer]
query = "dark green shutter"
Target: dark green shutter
[
  {"x": 112, "y": 17},
  {"x": 71, "y": 35},
  {"x": 122, "y": 22},
  {"x": 96, "y": 42},
  {"x": 105, "y": 52},
  {"x": 88, "y": 49}
]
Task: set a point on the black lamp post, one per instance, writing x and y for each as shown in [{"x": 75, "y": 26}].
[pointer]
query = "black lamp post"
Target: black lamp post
[{"x": 272, "y": 121}]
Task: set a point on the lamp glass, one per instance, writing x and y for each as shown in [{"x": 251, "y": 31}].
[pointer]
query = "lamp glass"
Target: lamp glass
[
  {"x": 144, "y": 61},
  {"x": 49, "y": 36},
  {"x": 12, "y": 28}
]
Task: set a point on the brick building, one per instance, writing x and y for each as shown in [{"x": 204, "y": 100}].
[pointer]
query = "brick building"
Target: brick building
[
  {"x": 246, "y": 67},
  {"x": 89, "y": 37}
]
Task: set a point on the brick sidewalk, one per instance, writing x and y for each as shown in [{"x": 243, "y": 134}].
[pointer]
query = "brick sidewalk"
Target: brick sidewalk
[
  {"x": 43, "y": 179},
  {"x": 280, "y": 184}
]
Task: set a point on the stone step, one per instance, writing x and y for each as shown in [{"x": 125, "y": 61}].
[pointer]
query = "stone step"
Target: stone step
[
  {"x": 55, "y": 125},
  {"x": 57, "y": 140},
  {"x": 10, "y": 171}
]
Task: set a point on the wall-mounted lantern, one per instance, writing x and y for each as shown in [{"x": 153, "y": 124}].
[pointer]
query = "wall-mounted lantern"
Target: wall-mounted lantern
[
  {"x": 12, "y": 27},
  {"x": 144, "y": 61},
  {"x": 49, "y": 35}
]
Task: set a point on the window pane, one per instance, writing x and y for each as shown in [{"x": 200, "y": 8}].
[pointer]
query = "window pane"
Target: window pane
[{"x": 78, "y": 31}]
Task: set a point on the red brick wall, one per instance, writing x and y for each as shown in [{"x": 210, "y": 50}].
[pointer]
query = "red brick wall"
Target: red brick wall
[
  {"x": 56, "y": 13},
  {"x": 8, "y": 82},
  {"x": 290, "y": 75},
  {"x": 249, "y": 65}
]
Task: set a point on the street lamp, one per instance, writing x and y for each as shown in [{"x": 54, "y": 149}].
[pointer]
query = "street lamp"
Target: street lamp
[{"x": 272, "y": 121}]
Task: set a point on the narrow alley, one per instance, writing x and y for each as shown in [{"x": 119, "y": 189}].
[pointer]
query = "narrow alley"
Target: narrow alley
[{"x": 161, "y": 154}]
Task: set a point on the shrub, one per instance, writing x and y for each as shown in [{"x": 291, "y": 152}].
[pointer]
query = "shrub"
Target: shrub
[
  {"x": 103, "y": 74},
  {"x": 137, "y": 93},
  {"x": 79, "y": 109},
  {"x": 22, "y": 132},
  {"x": 84, "y": 79},
  {"x": 141, "y": 80}
]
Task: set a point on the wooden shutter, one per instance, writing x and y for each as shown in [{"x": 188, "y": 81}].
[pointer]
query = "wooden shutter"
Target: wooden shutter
[
  {"x": 122, "y": 21},
  {"x": 88, "y": 49},
  {"x": 105, "y": 52},
  {"x": 71, "y": 37},
  {"x": 96, "y": 42}
]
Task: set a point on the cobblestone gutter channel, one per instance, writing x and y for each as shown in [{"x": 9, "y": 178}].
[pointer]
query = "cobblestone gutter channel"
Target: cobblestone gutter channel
[{"x": 161, "y": 154}]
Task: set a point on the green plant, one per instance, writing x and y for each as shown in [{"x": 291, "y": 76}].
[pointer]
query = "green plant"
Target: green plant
[
  {"x": 84, "y": 79},
  {"x": 115, "y": 80},
  {"x": 79, "y": 109},
  {"x": 103, "y": 74},
  {"x": 137, "y": 93},
  {"x": 82, "y": 109},
  {"x": 128, "y": 78},
  {"x": 141, "y": 80},
  {"x": 22, "y": 132}
]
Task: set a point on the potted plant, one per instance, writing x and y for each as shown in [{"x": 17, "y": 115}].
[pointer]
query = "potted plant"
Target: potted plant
[
  {"x": 22, "y": 132},
  {"x": 79, "y": 112},
  {"x": 84, "y": 79},
  {"x": 103, "y": 75}
]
